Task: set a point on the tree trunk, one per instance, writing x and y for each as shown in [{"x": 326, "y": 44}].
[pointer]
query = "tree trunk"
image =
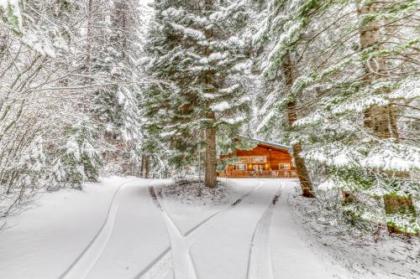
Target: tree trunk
[
  {"x": 302, "y": 171},
  {"x": 89, "y": 37},
  {"x": 380, "y": 120},
  {"x": 210, "y": 177},
  {"x": 145, "y": 166}
]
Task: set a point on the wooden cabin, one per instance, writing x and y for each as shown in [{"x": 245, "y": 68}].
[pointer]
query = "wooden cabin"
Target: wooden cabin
[{"x": 264, "y": 160}]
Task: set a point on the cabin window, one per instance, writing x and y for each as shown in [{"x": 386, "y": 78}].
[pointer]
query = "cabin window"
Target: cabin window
[
  {"x": 241, "y": 167},
  {"x": 284, "y": 166},
  {"x": 258, "y": 167},
  {"x": 253, "y": 159}
]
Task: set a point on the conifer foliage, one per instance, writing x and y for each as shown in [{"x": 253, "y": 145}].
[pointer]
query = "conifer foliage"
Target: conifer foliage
[
  {"x": 196, "y": 60},
  {"x": 350, "y": 60},
  {"x": 99, "y": 87},
  {"x": 70, "y": 87}
]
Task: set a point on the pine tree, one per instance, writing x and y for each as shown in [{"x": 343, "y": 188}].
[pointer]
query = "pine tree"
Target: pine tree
[
  {"x": 195, "y": 57},
  {"x": 77, "y": 161},
  {"x": 113, "y": 61},
  {"x": 287, "y": 26},
  {"x": 351, "y": 62}
]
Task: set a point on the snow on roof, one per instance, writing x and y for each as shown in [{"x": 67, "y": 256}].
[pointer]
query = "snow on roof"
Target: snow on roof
[{"x": 260, "y": 141}]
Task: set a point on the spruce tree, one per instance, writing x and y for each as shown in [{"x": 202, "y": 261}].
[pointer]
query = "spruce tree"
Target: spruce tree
[
  {"x": 195, "y": 63},
  {"x": 351, "y": 64}
]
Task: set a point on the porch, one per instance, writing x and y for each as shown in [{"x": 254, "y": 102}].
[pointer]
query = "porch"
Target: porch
[{"x": 259, "y": 173}]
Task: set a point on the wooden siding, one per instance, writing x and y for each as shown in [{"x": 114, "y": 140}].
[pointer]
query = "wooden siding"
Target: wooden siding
[{"x": 274, "y": 156}]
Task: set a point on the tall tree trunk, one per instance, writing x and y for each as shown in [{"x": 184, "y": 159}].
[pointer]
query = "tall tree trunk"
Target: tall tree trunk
[
  {"x": 89, "y": 37},
  {"x": 145, "y": 166},
  {"x": 380, "y": 120},
  {"x": 210, "y": 177},
  {"x": 302, "y": 171}
]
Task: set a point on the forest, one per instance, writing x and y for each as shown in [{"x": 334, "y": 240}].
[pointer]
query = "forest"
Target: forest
[{"x": 159, "y": 89}]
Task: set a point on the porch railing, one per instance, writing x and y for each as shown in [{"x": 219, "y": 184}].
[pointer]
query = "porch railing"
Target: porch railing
[{"x": 264, "y": 173}]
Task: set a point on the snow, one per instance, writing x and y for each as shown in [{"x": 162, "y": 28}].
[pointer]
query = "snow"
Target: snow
[
  {"x": 364, "y": 255},
  {"x": 327, "y": 185},
  {"x": 198, "y": 202},
  {"x": 189, "y": 32},
  {"x": 13, "y": 5},
  {"x": 292, "y": 29},
  {"x": 137, "y": 228},
  {"x": 391, "y": 156},
  {"x": 234, "y": 120},
  {"x": 219, "y": 107},
  {"x": 34, "y": 240},
  {"x": 213, "y": 57},
  {"x": 230, "y": 89},
  {"x": 297, "y": 246},
  {"x": 410, "y": 89},
  {"x": 40, "y": 43},
  {"x": 46, "y": 240},
  {"x": 360, "y": 105}
]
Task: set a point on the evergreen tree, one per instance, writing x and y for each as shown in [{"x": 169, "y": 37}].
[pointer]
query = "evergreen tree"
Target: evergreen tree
[
  {"x": 78, "y": 161},
  {"x": 350, "y": 62},
  {"x": 113, "y": 61},
  {"x": 195, "y": 61}
]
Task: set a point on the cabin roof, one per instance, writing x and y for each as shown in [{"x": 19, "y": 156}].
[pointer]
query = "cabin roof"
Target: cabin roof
[{"x": 267, "y": 143}]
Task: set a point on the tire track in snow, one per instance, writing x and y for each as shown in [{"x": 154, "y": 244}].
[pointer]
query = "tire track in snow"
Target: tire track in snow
[
  {"x": 235, "y": 203},
  {"x": 155, "y": 197},
  {"x": 149, "y": 270},
  {"x": 159, "y": 268},
  {"x": 259, "y": 257},
  {"x": 83, "y": 264},
  {"x": 183, "y": 265}
]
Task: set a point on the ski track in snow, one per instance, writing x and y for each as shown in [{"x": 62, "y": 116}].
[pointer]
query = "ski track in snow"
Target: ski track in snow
[
  {"x": 183, "y": 265},
  {"x": 227, "y": 255},
  {"x": 235, "y": 203},
  {"x": 188, "y": 266},
  {"x": 176, "y": 261},
  {"x": 84, "y": 263},
  {"x": 259, "y": 259},
  {"x": 160, "y": 268}
]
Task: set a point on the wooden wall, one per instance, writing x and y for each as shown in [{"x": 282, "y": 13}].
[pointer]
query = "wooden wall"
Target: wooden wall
[{"x": 274, "y": 156}]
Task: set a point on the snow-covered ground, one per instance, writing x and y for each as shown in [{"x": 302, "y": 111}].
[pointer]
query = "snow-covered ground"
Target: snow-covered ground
[
  {"x": 153, "y": 229},
  {"x": 364, "y": 254}
]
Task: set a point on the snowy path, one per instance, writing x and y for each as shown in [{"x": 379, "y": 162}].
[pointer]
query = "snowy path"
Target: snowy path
[
  {"x": 144, "y": 236},
  {"x": 243, "y": 240},
  {"x": 132, "y": 223}
]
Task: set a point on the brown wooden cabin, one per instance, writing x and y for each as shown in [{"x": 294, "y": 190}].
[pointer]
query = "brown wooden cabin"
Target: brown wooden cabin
[{"x": 264, "y": 160}]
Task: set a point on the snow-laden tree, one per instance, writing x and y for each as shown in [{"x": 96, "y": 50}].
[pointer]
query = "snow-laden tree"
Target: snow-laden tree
[
  {"x": 32, "y": 59},
  {"x": 350, "y": 59},
  {"x": 56, "y": 59},
  {"x": 113, "y": 48},
  {"x": 196, "y": 59}
]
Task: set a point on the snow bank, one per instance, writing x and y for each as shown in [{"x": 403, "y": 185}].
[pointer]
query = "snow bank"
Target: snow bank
[{"x": 365, "y": 255}]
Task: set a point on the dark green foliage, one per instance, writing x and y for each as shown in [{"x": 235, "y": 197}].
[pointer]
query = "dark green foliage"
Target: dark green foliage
[
  {"x": 193, "y": 53},
  {"x": 80, "y": 161}
]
